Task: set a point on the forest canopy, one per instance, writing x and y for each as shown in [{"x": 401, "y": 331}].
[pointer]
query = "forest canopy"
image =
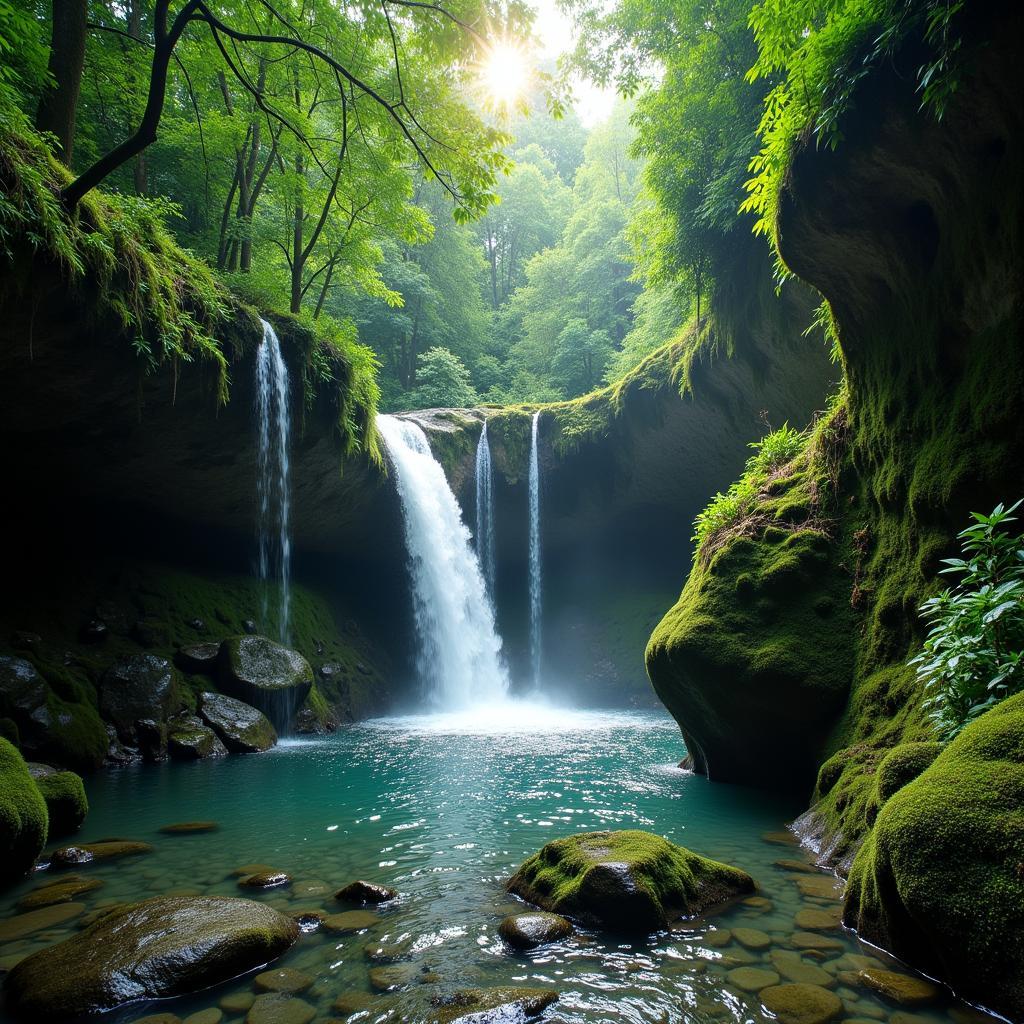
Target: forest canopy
[{"x": 347, "y": 163}]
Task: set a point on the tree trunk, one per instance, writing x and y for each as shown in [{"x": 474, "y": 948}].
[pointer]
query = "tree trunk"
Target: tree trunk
[
  {"x": 59, "y": 102},
  {"x": 298, "y": 256}
]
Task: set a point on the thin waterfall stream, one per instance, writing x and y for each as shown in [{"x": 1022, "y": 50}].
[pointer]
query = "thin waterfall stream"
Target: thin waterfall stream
[
  {"x": 535, "y": 561},
  {"x": 459, "y": 660},
  {"x": 272, "y": 480},
  {"x": 485, "y": 542}
]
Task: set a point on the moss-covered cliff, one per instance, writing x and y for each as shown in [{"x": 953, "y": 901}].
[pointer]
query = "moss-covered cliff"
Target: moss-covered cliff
[{"x": 788, "y": 647}]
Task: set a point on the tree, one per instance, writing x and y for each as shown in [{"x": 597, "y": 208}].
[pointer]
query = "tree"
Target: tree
[
  {"x": 580, "y": 356},
  {"x": 59, "y": 102},
  {"x": 443, "y": 381}
]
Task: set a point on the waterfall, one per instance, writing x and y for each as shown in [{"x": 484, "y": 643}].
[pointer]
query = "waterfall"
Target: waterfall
[
  {"x": 272, "y": 486},
  {"x": 535, "y": 576},
  {"x": 485, "y": 510},
  {"x": 460, "y": 660}
]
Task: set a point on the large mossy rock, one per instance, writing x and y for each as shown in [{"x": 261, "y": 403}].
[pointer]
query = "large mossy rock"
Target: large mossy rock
[
  {"x": 243, "y": 729},
  {"x": 939, "y": 881},
  {"x": 491, "y": 1005},
  {"x": 162, "y": 947},
  {"x": 266, "y": 675},
  {"x": 625, "y": 881},
  {"x": 64, "y": 793},
  {"x": 138, "y": 687},
  {"x": 22, "y": 816}
]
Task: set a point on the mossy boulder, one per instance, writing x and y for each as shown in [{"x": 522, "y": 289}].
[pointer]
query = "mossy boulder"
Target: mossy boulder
[
  {"x": 939, "y": 879},
  {"x": 266, "y": 675},
  {"x": 243, "y": 728},
  {"x": 138, "y": 687},
  {"x": 23, "y": 820},
  {"x": 64, "y": 793},
  {"x": 625, "y": 881},
  {"x": 901, "y": 765},
  {"x": 161, "y": 947},
  {"x": 189, "y": 739},
  {"x": 491, "y": 1005}
]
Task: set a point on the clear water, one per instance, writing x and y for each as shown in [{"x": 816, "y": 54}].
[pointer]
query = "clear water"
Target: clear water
[
  {"x": 273, "y": 494},
  {"x": 459, "y": 659},
  {"x": 535, "y": 555},
  {"x": 485, "y": 538},
  {"x": 444, "y": 808}
]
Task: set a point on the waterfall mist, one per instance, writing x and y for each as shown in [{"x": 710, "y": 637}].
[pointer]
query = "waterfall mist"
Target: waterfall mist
[
  {"x": 272, "y": 483},
  {"x": 459, "y": 658}
]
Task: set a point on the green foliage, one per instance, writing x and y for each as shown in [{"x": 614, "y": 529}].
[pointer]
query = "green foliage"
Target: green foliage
[
  {"x": 22, "y": 813},
  {"x": 443, "y": 381},
  {"x": 973, "y": 654}
]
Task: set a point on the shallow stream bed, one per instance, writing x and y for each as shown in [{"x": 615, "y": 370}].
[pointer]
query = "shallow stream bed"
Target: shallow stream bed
[{"x": 443, "y": 809}]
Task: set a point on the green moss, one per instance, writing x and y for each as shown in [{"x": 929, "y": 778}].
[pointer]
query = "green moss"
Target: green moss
[
  {"x": 66, "y": 803},
  {"x": 22, "y": 815},
  {"x": 901, "y": 765},
  {"x": 939, "y": 879},
  {"x": 9, "y": 731},
  {"x": 628, "y": 879}
]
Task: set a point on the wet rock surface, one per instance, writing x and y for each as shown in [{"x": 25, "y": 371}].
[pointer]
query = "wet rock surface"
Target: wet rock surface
[
  {"x": 526, "y": 931},
  {"x": 365, "y": 892},
  {"x": 242, "y": 728},
  {"x": 265, "y": 674},
  {"x": 137, "y": 687}
]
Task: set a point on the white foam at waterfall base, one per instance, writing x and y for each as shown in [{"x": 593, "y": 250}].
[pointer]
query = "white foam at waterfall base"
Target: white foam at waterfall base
[
  {"x": 272, "y": 478},
  {"x": 459, "y": 658}
]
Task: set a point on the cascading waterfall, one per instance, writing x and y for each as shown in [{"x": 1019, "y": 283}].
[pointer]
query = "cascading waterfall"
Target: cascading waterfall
[
  {"x": 535, "y": 568},
  {"x": 485, "y": 510},
  {"x": 460, "y": 659},
  {"x": 272, "y": 484}
]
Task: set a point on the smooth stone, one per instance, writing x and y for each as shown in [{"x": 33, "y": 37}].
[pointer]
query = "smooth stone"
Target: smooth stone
[
  {"x": 265, "y": 880},
  {"x": 821, "y": 886},
  {"x": 191, "y": 740},
  {"x": 814, "y": 941},
  {"x": 275, "y": 1008},
  {"x": 211, "y": 1015},
  {"x": 309, "y": 920},
  {"x": 61, "y": 892},
  {"x": 265, "y": 674},
  {"x": 365, "y": 892},
  {"x": 350, "y": 921},
  {"x": 812, "y": 919},
  {"x": 717, "y": 938},
  {"x": 801, "y": 1004},
  {"x": 388, "y": 952},
  {"x": 535, "y": 928},
  {"x": 752, "y": 938},
  {"x": 237, "y": 1002},
  {"x": 793, "y": 968},
  {"x": 797, "y": 865},
  {"x": 387, "y": 979},
  {"x": 752, "y": 979},
  {"x": 253, "y": 869},
  {"x": 151, "y": 950},
  {"x": 12, "y": 928},
  {"x": 491, "y": 1005},
  {"x": 93, "y": 916},
  {"x": 282, "y": 979},
  {"x": 187, "y": 828},
  {"x": 242, "y": 728},
  {"x": 902, "y": 989},
  {"x": 758, "y": 903},
  {"x": 159, "y": 1018},
  {"x": 106, "y": 849},
  {"x": 198, "y": 657},
  {"x": 353, "y": 1002},
  {"x": 779, "y": 838}
]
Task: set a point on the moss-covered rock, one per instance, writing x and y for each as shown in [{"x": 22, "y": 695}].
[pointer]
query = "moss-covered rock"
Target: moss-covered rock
[
  {"x": 625, "y": 881},
  {"x": 939, "y": 879},
  {"x": 162, "y": 947},
  {"x": 265, "y": 674},
  {"x": 22, "y": 815},
  {"x": 242, "y": 728},
  {"x": 901, "y": 765},
  {"x": 138, "y": 687},
  {"x": 491, "y": 1005},
  {"x": 66, "y": 802}
]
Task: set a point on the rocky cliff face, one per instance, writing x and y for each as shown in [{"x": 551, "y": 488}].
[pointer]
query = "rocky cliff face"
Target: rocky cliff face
[{"x": 912, "y": 230}]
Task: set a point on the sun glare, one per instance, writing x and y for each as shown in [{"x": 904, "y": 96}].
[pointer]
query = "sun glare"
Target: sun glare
[{"x": 505, "y": 73}]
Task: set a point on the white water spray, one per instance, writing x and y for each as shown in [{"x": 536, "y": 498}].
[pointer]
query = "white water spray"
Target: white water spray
[
  {"x": 460, "y": 659},
  {"x": 272, "y": 484},
  {"x": 485, "y": 511},
  {"x": 535, "y": 570}
]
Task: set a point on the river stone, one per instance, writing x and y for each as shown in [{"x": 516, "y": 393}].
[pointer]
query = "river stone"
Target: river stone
[
  {"x": 350, "y": 921},
  {"x": 524, "y": 931},
  {"x": 211, "y": 1015},
  {"x": 798, "y": 865},
  {"x": 198, "y": 657},
  {"x": 138, "y": 687},
  {"x": 387, "y": 979},
  {"x": 752, "y": 938},
  {"x": 801, "y": 1004},
  {"x": 717, "y": 938},
  {"x": 282, "y": 979},
  {"x": 22, "y": 688},
  {"x": 752, "y": 979},
  {"x": 814, "y": 941},
  {"x": 18, "y": 927},
  {"x": 267, "y": 675},
  {"x": 902, "y": 989},
  {"x": 190, "y": 742},
  {"x": 86, "y": 853},
  {"x": 365, "y": 892},
  {"x": 188, "y": 828},
  {"x": 625, "y": 881},
  {"x": 279, "y": 1008},
  {"x": 243, "y": 728},
  {"x": 793, "y": 968},
  {"x": 236, "y": 1002},
  {"x": 349, "y": 1003},
  {"x": 308, "y": 920},
  {"x": 61, "y": 892},
  {"x": 491, "y": 1005},
  {"x": 161, "y": 947},
  {"x": 813, "y": 919},
  {"x": 265, "y": 880},
  {"x": 820, "y": 886}
]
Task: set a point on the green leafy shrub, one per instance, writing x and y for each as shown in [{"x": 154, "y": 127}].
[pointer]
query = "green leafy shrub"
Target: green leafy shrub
[{"x": 972, "y": 656}]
